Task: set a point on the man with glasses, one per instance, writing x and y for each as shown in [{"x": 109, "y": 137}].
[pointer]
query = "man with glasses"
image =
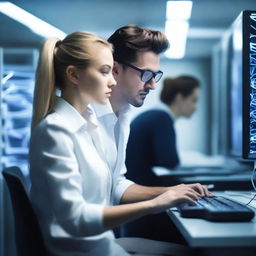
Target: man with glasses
[{"x": 136, "y": 71}]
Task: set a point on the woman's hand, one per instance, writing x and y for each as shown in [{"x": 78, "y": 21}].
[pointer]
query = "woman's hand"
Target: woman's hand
[
  {"x": 173, "y": 197},
  {"x": 202, "y": 190}
]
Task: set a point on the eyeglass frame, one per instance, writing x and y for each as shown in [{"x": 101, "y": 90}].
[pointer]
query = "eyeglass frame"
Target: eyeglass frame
[{"x": 142, "y": 71}]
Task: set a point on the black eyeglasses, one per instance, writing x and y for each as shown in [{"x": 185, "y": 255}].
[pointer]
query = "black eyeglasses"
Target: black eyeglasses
[{"x": 146, "y": 74}]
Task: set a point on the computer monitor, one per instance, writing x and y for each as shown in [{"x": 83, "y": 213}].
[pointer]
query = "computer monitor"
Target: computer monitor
[{"x": 243, "y": 86}]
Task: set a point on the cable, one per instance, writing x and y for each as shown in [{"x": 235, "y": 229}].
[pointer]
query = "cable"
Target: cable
[
  {"x": 251, "y": 200},
  {"x": 252, "y": 177},
  {"x": 253, "y": 183}
]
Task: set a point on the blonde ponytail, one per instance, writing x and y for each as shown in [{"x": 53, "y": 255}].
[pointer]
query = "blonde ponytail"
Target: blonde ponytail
[{"x": 44, "y": 92}]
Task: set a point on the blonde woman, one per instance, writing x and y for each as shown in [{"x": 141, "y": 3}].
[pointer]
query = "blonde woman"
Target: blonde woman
[{"x": 72, "y": 183}]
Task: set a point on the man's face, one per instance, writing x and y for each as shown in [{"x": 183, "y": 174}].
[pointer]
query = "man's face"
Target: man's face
[{"x": 129, "y": 85}]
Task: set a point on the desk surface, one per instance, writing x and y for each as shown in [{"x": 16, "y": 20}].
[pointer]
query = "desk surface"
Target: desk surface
[
  {"x": 222, "y": 179},
  {"x": 203, "y": 233},
  {"x": 239, "y": 177},
  {"x": 162, "y": 171}
]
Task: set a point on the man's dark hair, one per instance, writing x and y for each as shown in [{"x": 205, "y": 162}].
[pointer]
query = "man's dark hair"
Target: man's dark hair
[
  {"x": 183, "y": 85},
  {"x": 130, "y": 39}
]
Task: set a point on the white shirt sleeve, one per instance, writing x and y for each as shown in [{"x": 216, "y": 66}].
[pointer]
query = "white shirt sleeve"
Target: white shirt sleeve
[
  {"x": 57, "y": 183},
  {"x": 121, "y": 185},
  {"x": 122, "y": 133}
]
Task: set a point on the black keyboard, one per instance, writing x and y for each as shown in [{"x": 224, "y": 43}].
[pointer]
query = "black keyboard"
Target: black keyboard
[{"x": 216, "y": 208}]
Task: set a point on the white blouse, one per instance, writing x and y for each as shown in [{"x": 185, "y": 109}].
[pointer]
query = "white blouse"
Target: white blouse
[
  {"x": 115, "y": 132},
  {"x": 71, "y": 184}
]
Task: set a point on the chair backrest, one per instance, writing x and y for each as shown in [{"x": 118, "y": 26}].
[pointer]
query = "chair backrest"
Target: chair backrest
[{"x": 28, "y": 236}]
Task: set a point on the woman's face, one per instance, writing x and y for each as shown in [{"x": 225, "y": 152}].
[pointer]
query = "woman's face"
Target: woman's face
[
  {"x": 188, "y": 104},
  {"x": 95, "y": 82}
]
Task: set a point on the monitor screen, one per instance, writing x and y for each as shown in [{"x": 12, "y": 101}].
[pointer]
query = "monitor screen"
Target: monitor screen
[
  {"x": 243, "y": 86},
  {"x": 252, "y": 64}
]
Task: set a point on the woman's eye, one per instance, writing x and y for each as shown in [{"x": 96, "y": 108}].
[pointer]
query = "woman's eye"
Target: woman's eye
[{"x": 105, "y": 72}]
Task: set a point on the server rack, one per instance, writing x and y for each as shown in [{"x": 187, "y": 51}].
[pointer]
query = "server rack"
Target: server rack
[{"x": 17, "y": 72}]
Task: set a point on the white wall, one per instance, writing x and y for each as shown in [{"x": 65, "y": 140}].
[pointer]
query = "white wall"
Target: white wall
[{"x": 193, "y": 133}]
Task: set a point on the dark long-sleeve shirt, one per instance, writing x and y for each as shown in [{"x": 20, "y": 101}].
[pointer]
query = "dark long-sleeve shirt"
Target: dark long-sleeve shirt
[{"x": 152, "y": 142}]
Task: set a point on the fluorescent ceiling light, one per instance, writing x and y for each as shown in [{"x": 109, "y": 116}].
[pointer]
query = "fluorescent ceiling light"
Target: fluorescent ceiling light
[
  {"x": 176, "y": 27},
  {"x": 37, "y": 25},
  {"x": 176, "y": 32},
  {"x": 178, "y": 10}
]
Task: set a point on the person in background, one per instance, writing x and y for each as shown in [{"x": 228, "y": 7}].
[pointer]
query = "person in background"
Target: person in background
[
  {"x": 72, "y": 183},
  {"x": 152, "y": 142},
  {"x": 137, "y": 70}
]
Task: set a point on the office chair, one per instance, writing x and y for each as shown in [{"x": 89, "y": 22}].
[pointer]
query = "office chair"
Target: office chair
[{"x": 28, "y": 236}]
